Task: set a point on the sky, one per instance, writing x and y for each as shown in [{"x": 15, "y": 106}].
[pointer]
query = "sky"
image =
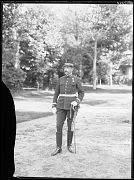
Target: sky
[
  {"x": 62, "y": 7},
  {"x": 59, "y": 9}
]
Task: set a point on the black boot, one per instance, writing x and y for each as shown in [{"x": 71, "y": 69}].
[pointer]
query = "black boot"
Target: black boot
[
  {"x": 58, "y": 150},
  {"x": 69, "y": 141},
  {"x": 59, "y": 143}
]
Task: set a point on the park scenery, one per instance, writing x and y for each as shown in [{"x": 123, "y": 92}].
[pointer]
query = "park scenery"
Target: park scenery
[
  {"x": 37, "y": 40},
  {"x": 102, "y": 135}
]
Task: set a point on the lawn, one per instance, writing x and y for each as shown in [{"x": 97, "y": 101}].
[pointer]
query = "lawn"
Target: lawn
[
  {"x": 103, "y": 135},
  {"x": 28, "y": 99},
  {"x": 28, "y": 116}
]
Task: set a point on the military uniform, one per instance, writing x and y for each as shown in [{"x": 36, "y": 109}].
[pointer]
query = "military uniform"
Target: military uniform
[{"x": 68, "y": 89}]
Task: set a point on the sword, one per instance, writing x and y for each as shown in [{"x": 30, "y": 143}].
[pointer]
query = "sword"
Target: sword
[
  {"x": 75, "y": 113},
  {"x": 74, "y": 117}
]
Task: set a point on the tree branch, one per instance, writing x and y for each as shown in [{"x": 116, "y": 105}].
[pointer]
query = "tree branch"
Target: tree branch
[{"x": 90, "y": 56}]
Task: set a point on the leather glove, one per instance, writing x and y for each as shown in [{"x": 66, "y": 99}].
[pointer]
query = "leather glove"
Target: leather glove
[
  {"x": 74, "y": 103},
  {"x": 54, "y": 110}
]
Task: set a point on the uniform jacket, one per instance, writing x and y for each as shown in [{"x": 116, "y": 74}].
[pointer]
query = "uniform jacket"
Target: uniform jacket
[{"x": 68, "y": 85}]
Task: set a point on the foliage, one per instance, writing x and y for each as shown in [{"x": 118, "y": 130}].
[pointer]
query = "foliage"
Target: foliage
[
  {"x": 106, "y": 23},
  {"x": 39, "y": 49},
  {"x": 11, "y": 76},
  {"x": 44, "y": 41}
]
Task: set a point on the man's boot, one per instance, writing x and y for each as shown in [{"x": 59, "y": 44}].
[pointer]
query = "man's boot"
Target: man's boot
[
  {"x": 69, "y": 141},
  {"x": 58, "y": 143}
]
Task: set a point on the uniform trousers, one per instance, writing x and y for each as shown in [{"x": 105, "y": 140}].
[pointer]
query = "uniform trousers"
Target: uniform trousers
[{"x": 62, "y": 114}]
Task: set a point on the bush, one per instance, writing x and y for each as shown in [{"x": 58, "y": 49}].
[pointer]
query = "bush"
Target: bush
[{"x": 13, "y": 78}]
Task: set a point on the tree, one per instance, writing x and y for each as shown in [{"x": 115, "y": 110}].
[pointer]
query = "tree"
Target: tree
[
  {"x": 39, "y": 44},
  {"x": 10, "y": 75},
  {"x": 105, "y": 29},
  {"x": 70, "y": 32},
  {"x": 91, "y": 38}
]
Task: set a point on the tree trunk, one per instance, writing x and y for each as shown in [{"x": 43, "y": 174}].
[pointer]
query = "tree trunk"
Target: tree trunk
[
  {"x": 110, "y": 74},
  {"x": 100, "y": 81},
  {"x": 110, "y": 80},
  {"x": 94, "y": 65},
  {"x": 38, "y": 85},
  {"x": 17, "y": 42},
  {"x": 81, "y": 73},
  {"x": 17, "y": 63}
]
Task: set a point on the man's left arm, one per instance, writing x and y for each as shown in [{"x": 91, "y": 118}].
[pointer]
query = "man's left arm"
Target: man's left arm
[{"x": 80, "y": 91}]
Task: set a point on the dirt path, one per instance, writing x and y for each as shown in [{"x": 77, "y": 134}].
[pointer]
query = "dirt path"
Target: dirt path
[{"x": 103, "y": 140}]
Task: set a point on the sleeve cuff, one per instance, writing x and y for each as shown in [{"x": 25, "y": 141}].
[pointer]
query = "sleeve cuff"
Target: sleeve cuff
[{"x": 54, "y": 105}]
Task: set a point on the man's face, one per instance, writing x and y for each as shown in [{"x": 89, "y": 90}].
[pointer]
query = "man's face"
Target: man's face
[{"x": 68, "y": 70}]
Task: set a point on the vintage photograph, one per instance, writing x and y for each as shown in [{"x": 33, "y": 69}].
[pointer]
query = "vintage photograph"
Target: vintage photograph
[{"x": 68, "y": 68}]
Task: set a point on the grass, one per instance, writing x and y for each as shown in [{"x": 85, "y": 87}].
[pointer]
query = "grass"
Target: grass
[
  {"x": 39, "y": 96},
  {"x": 108, "y": 89},
  {"x": 28, "y": 116}
]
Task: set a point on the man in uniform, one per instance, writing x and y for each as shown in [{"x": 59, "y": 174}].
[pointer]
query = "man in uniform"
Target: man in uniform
[{"x": 64, "y": 98}]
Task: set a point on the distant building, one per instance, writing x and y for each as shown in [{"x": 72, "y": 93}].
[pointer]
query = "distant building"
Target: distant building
[{"x": 125, "y": 68}]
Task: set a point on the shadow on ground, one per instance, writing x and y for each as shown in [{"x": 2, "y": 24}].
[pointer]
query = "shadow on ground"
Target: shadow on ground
[
  {"x": 94, "y": 102},
  {"x": 30, "y": 115},
  {"x": 119, "y": 90},
  {"x": 33, "y": 94}
]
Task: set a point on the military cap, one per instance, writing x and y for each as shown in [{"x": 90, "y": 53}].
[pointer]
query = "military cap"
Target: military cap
[{"x": 68, "y": 64}]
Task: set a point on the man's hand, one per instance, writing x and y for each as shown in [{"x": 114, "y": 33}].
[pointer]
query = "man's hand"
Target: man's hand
[
  {"x": 74, "y": 103},
  {"x": 54, "y": 110}
]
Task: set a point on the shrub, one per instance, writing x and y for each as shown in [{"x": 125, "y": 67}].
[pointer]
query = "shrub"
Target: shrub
[{"x": 13, "y": 78}]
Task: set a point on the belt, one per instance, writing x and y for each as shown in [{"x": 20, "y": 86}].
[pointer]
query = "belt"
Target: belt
[{"x": 67, "y": 95}]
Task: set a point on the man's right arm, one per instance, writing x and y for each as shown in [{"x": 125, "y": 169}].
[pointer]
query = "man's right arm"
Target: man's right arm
[{"x": 56, "y": 94}]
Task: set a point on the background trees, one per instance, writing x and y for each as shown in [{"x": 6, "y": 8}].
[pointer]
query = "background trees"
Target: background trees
[
  {"x": 12, "y": 77},
  {"x": 37, "y": 41}
]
